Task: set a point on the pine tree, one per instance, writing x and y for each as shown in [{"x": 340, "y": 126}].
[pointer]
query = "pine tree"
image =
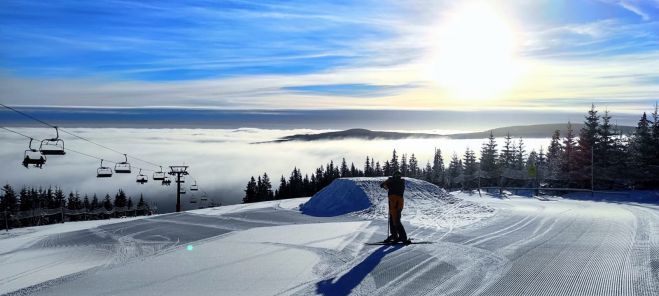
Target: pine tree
[
  {"x": 129, "y": 204},
  {"x": 404, "y": 169},
  {"x": 85, "y": 202},
  {"x": 120, "y": 199},
  {"x": 58, "y": 200},
  {"x": 141, "y": 204},
  {"x": 71, "y": 204},
  {"x": 642, "y": 153},
  {"x": 378, "y": 170},
  {"x": 9, "y": 199},
  {"x": 386, "y": 168},
  {"x": 94, "y": 204},
  {"x": 414, "y": 167},
  {"x": 393, "y": 164},
  {"x": 488, "y": 161},
  {"x": 520, "y": 155},
  {"x": 428, "y": 173},
  {"x": 250, "y": 191},
  {"x": 507, "y": 156},
  {"x": 603, "y": 153},
  {"x": 269, "y": 195},
  {"x": 585, "y": 145},
  {"x": 454, "y": 170},
  {"x": 353, "y": 170},
  {"x": 470, "y": 169},
  {"x": 438, "y": 168},
  {"x": 368, "y": 169},
  {"x": 531, "y": 164},
  {"x": 344, "y": 169},
  {"x": 567, "y": 159},
  {"x": 107, "y": 203},
  {"x": 24, "y": 198}
]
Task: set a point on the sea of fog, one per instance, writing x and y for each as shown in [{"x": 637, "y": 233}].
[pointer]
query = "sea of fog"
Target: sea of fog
[{"x": 220, "y": 160}]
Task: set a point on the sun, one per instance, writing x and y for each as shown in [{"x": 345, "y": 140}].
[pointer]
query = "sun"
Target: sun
[{"x": 474, "y": 54}]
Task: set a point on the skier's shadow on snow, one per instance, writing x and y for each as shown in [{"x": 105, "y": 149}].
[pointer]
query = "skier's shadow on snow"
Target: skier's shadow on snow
[{"x": 350, "y": 280}]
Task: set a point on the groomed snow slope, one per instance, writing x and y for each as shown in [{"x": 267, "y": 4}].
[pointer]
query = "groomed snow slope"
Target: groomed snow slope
[{"x": 426, "y": 205}]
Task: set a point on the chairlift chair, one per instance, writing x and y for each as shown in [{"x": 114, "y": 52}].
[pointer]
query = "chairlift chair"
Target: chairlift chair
[
  {"x": 194, "y": 186},
  {"x": 204, "y": 197},
  {"x": 142, "y": 178},
  {"x": 182, "y": 179},
  {"x": 159, "y": 176},
  {"x": 182, "y": 190},
  {"x": 33, "y": 157},
  {"x": 122, "y": 167},
  {"x": 166, "y": 181},
  {"x": 193, "y": 199},
  {"x": 103, "y": 171},
  {"x": 53, "y": 146}
]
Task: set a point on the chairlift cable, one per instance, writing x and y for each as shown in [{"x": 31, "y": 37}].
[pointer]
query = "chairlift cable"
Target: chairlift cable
[
  {"x": 74, "y": 135},
  {"x": 74, "y": 151},
  {"x": 15, "y": 132}
]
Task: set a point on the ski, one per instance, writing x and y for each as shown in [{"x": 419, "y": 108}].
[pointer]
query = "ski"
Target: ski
[{"x": 412, "y": 242}]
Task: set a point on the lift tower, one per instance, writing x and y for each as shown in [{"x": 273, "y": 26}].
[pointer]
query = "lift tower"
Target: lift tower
[{"x": 178, "y": 171}]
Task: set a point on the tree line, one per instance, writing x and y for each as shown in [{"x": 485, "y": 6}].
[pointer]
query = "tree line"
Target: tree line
[
  {"x": 599, "y": 156},
  {"x": 38, "y": 206}
]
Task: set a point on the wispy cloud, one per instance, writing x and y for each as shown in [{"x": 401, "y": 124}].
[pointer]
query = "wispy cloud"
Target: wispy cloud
[{"x": 299, "y": 54}]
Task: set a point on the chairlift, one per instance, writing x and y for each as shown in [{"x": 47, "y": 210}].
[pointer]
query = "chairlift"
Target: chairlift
[
  {"x": 159, "y": 176},
  {"x": 53, "y": 146},
  {"x": 33, "y": 157},
  {"x": 182, "y": 179},
  {"x": 194, "y": 186},
  {"x": 166, "y": 181},
  {"x": 142, "y": 178},
  {"x": 122, "y": 167},
  {"x": 193, "y": 199},
  {"x": 103, "y": 171},
  {"x": 182, "y": 190},
  {"x": 204, "y": 196}
]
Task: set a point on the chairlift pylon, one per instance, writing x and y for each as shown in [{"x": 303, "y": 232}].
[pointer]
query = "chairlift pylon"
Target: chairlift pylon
[
  {"x": 142, "y": 178},
  {"x": 52, "y": 146},
  {"x": 33, "y": 157},
  {"x": 159, "y": 176},
  {"x": 103, "y": 171},
  {"x": 122, "y": 167}
]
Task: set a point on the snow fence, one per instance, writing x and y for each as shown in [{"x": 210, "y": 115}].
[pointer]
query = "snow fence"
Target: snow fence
[{"x": 426, "y": 205}]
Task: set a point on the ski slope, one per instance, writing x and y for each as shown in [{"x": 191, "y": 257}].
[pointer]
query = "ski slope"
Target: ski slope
[{"x": 526, "y": 247}]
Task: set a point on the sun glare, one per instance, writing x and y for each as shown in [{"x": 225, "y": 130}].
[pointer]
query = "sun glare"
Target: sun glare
[{"x": 475, "y": 54}]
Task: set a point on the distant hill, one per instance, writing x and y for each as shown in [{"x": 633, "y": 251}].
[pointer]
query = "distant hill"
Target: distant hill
[
  {"x": 356, "y": 133},
  {"x": 530, "y": 131},
  {"x": 524, "y": 131}
]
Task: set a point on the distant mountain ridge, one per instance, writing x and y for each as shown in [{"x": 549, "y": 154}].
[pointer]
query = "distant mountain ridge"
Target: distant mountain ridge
[{"x": 524, "y": 131}]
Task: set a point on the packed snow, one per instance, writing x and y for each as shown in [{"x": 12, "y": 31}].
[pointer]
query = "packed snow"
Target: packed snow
[
  {"x": 520, "y": 246},
  {"x": 426, "y": 204}
]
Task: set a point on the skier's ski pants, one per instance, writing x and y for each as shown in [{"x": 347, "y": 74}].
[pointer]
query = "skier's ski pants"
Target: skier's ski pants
[{"x": 395, "y": 209}]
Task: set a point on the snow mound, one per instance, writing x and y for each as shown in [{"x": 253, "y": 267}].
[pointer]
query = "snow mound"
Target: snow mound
[{"x": 426, "y": 204}]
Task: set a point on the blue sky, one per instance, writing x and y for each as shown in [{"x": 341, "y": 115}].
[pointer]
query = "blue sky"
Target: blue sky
[{"x": 330, "y": 54}]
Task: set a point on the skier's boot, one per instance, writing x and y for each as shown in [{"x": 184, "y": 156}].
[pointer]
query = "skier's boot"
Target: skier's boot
[
  {"x": 405, "y": 241},
  {"x": 391, "y": 239}
]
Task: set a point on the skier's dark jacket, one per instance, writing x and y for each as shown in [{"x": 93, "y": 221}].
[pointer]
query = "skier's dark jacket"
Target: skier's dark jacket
[{"x": 396, "y": 186}]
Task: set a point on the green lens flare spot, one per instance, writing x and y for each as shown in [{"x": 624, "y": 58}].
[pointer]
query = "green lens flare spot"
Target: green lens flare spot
[{"x": 190, "y": 248}]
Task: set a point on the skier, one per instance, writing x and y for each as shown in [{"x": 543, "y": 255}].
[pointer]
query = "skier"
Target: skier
[{"x": 396, "y": 187}]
